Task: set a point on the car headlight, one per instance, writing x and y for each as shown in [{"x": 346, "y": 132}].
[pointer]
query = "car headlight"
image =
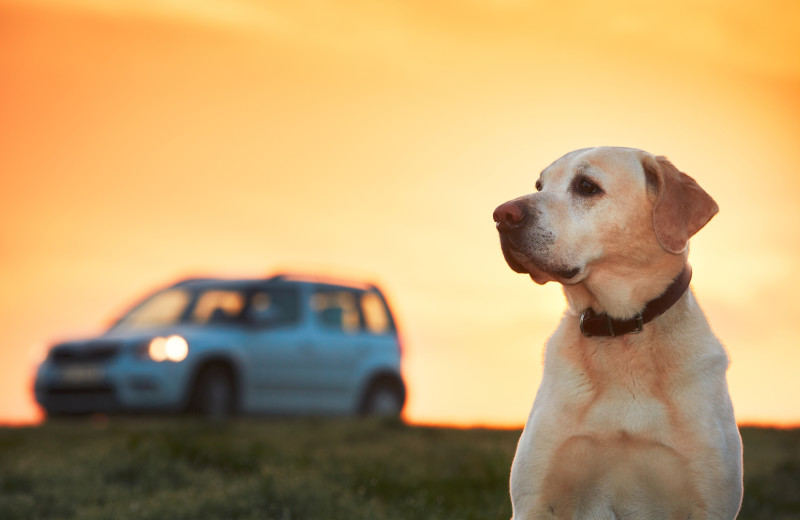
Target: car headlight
[{"x": 172, "y": 348}]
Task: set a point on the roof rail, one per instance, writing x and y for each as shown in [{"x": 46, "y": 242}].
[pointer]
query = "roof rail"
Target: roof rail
[
  {"x": 322, "y": 279},
  {"x": 187, "y": 281}
]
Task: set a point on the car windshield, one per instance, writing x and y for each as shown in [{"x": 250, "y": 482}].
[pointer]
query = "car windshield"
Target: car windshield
[{"x": 184, "y": 305}]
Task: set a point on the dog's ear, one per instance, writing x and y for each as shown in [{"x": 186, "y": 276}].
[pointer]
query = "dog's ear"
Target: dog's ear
[{"x": 681, "y": 208}]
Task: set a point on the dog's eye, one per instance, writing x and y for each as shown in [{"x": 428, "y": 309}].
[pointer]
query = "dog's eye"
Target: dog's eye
[
  {"x": 538, "y": 185},
  {"x": 585, "y": 187}
]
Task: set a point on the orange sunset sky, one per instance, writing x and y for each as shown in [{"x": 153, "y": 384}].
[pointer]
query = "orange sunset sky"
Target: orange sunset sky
[{"x": 142, "y": 141}]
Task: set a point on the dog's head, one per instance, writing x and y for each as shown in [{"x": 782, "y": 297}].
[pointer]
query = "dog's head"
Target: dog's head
[{"x": 601, "y": 210}]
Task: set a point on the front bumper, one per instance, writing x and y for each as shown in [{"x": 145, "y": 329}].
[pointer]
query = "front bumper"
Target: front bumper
[{"x": 127, "y": 384}]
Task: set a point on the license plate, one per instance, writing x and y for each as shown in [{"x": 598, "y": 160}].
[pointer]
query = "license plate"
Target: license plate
[{"x": 83, "y": 374}]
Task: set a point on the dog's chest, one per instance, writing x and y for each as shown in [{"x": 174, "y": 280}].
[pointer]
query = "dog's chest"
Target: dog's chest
[
  {"x": 602, "y": 420},
  {"x": 617, "y": 385},
  {"x": 620, "y": 409}
]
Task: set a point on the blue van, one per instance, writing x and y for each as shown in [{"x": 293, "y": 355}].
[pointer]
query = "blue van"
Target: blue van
[{"x": 282, "y": 345}]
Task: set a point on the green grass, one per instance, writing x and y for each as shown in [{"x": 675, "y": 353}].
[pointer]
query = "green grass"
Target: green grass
[
  {"x": 771, "y": 474},
  {"x": 301, "y": 469}
]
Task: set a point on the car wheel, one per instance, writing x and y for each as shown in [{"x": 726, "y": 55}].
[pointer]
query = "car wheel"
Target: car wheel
[
  {"x": 215, "y": 394},
  {"x": 383, "y": 400}
]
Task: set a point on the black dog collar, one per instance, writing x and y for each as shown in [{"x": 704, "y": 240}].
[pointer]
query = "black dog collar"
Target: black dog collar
[{"x": 593, "y": 324}]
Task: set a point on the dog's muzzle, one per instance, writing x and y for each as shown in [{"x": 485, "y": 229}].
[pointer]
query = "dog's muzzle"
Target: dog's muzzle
[
  {"x": 509, "y": 218},
  {"x": 512, "y": 219}
]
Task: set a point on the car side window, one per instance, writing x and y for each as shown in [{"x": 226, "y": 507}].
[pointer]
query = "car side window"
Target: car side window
[
  {"x": 274, "y": 308},
  {"x": 218, "y": 306},
  {"x": 336, "y": 309}
]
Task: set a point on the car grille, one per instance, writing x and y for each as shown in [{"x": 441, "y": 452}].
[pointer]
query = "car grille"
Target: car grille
[
  {"x": 84, "y": 353},
  {"x": 80, "y": 399}
]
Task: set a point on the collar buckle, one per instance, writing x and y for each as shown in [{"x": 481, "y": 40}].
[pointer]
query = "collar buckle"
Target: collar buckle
[
  {"x": 583, "y": 318},
  {"x": 639, "y": 324}
]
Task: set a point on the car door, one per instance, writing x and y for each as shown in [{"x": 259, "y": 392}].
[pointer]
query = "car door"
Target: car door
[
  {"x": 279, "y": 351},
  {"x": 338, "y": 342}
]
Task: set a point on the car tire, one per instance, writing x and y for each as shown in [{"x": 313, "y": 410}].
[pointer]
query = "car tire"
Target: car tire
[
  {"x": 214, "y": 396},
  {"x": 383, "y": 399}
]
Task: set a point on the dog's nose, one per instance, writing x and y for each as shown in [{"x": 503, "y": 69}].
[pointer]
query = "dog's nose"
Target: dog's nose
[{"x": 510, "y": 215}]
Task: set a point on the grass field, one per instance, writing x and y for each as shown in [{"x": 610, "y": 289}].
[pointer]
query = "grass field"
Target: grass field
[{"x": 302, "y": 469}]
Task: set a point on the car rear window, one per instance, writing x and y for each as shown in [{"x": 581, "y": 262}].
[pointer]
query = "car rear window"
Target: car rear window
[{"x": 376, "y": 315}]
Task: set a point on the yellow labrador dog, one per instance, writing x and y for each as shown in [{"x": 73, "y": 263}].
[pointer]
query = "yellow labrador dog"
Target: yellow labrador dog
[{"x": 632, "y": 419}]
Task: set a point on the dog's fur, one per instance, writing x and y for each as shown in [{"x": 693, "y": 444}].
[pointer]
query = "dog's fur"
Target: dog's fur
[{"x": 639, "y": 426}]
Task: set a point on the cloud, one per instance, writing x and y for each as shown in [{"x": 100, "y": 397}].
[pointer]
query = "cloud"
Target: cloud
[
  {"x": 756, "y": 37},
  {"x": 232, "y": 13}
]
